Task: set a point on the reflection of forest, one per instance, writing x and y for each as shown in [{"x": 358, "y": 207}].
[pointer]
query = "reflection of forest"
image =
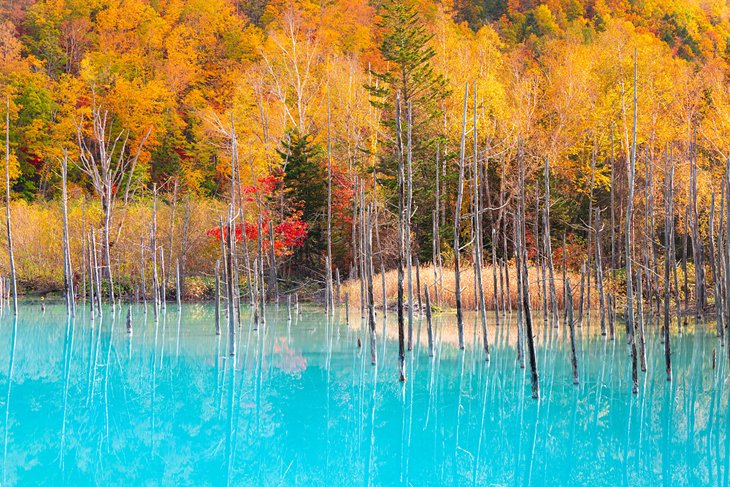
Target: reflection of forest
[{"x": 298, "y": 404}]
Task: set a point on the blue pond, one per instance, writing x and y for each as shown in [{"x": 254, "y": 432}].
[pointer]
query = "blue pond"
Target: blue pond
[{"x": 84, "y": 403}]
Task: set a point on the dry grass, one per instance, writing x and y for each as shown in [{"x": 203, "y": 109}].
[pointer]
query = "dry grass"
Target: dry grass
[
  {"x": 37, "y": 230},
  {"x": 447, "y": 287}
]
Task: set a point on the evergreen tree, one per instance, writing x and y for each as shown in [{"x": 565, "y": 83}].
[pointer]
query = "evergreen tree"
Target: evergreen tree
[
  {"x": 305, "y": 183},
  {"x": 406, "y": 48}
]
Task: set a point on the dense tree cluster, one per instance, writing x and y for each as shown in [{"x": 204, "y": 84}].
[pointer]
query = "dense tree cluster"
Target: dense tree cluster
[{"x": 552, "y": 78}]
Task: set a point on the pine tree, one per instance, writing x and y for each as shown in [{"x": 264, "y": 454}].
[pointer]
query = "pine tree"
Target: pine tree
[
  {"x": 405, "y": 46},
  {"x": 305, "y": 182}
]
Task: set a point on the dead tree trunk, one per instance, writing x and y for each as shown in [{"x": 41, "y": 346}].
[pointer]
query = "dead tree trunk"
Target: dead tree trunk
[
  {"x": 401, "y": 242},
  {"x": 629, "y": 274},
  {"x": 11, "y": 255},
  {"x": 477, "y": 230},
  {"x": 714, "y": 268},
  {"x": 184, "y": 246},
  {"x": 534, "y": 377},
  {"x": 457, "y": 220},
  {"x": 668, "y": 260},
  {"x": 329, "y": 301},
  {"x": 153, "y": 250},
  {"x": 67, "y": 272},
  {"x": 217, "y": 297},
  {"x": 549, "y": 249},
  {"x": 520, "y": 302},
  {"x": 571, "y": 324},
  {"x": 494, "y": 278},
  {"x": 409, "y": 209},
  {"x": 697, "y": 248},
  {"x": 229, "y": 236},
  {"x": 370, "y": 276},
  {"x": 599, "y": 274},
  {"x": 429, "y": 329}
]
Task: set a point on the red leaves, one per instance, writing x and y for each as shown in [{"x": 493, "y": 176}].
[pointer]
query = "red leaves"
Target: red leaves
[
  {"x": 265, "y": 186},
  {"x": 289, "y": 234}
]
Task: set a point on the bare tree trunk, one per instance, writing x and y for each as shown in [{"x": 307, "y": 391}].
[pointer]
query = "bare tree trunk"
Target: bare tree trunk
[
  {"x": 571, "y": 324},
  {"x": 401, "y": 241},
  {"x": 417, "y": 265},
  {"x": 599, "y": 274},
  {"x": 347, "y": 309},
  {"x": 685, "y": 244},
  {"x": 613, "y": 209},
  {"x": 363, "y": 256},
  {"x": 67, "y": 273},
  {"x": 653, "y": 271},
  {"x": 590, "y": 235},
  {"x": 629, "y": 274},
  {"x": 217, "y": 297},
  {"x": 549, "y": 249},
  {"x": 409, "y": 209},
  {"x": 565, "y": 277},
  {"x": 382, "y": 265},
  {"x": 727, "y": 247},
  {"x": 371, "y": 298},
  {"x": 534, "y": 377},
  {"x": 641, "y": 317},
  {"x": 428, "y": 320},
  {"x": 92, "y": 272},
  {"x": 435, "y": 256},
  {"x": 11, "y": 255},
  {"x": 338, "y": 284},
  {"x": 477, "y": 230},
  {"x": 177, "y": 286},
  {"x": 494, "y": 277},
  {"x": 262, "y": 284},
  {"x": 697, "y": 250},
  {"x": 230, "y": 236},
  {"x": 153, "y": 250},
  {"x": 668, "y": 258},
  {"x": 582, "y": 289},
  {"x": 184, "y": 246},
  {"x": 107, "y": 253},
  {"x": 520, "y": 301},
  {"x": 163, "y": 290},
  {"x": 540, "y": 257},
  {"x": 273, "y": 282},
  {"x": 436, "y": 234},
  {"x": 329, "y": 305},
  {"x": 97, "y": 273},
  {"x": 714, "y": 268},
  {"x": 457, "y": 220},
  {"x": 171, "y": 243}
]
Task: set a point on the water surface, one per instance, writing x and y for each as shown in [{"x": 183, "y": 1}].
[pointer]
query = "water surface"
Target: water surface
[{"x": 84, "y": 403}]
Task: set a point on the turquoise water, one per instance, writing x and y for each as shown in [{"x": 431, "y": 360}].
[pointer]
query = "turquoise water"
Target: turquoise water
[{"x": 301, "y": 405}]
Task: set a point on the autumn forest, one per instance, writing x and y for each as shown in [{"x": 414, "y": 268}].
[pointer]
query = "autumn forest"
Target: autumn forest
[
  {"x": 296, "y": 117},
  {"x": 365, "y": 242}
]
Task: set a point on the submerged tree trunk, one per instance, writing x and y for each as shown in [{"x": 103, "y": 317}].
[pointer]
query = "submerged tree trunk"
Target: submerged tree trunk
[
  {"x": 668, "y": 259},
  {"x": 329, "y": 305},
  {"x": 429, "y": 329},
  {"x": 230, "y": 236},
  {"x": 571, "y": 324},
  {"x": 629, "y": 276},
  {"x": 11, "y": 255},
  {"x": 549, "y": 250},
  {"x": 534, "y": 377},
  {"x": 401, "y": 243},
  {"x": 370, "y": 275},
  {"x": 67, "y": 272},
  {"x": 477, "y": 224},
  {"x": 409, "y": 209},
  {"x": 457, "y": 220}
]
